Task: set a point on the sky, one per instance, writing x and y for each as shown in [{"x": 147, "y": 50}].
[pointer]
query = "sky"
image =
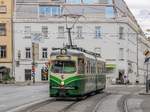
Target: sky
[{"x": 141, "y": 11}]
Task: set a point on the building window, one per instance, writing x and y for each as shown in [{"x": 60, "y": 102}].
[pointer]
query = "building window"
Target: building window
[
  {"x": 28, "y": 53},
  {"x": 27, "y": 31},
  {"x": 60, "y": 32},
  {"x": 3, "y": 9},
  {"x": 90, "y": 1},
  {"x": 47, "y": 10},
  {"x": 109, "y": 12},
  {"x": 79, "y": 32},
  {"x": 45, "y": 31},
  {"x": 97, "y": 32},
  {"x": 73, "y": 1},
  {"x": 121, "y": 30},
  {"x": 2, "y": 29},
  {"x": 44, "y": 53},
  {"x": 27, "y": 74},
  {"x": 109, "y": 1},
  {"x": 2, "y": 51},
  {"x": 121, "y": 53}
]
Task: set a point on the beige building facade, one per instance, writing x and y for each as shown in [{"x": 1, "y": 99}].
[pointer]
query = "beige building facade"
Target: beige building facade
[{"x": 6, "y": 51}]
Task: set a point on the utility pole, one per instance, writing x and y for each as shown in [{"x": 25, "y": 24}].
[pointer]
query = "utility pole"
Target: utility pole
[
  {"x": 147, "y": 81},
  {"x": 35, "y": 40},
  {"x": 147, "y": 58},
  {"x": 33, "y": 61},
  {"x": 137, "y": 55}
]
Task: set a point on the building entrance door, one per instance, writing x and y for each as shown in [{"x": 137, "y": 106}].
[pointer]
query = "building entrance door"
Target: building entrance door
[
  {"x": 27, "y": 74},
  {"x": 1, "y": 77},
  {"x": 121, "y": 76}
]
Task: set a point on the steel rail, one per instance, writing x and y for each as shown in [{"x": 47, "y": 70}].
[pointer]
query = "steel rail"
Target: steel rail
[
  {"x": 100, "y": 102},
  {"x": 37, "y": 105}
]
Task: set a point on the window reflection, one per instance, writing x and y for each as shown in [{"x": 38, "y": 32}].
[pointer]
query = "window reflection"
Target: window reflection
[
  {"x": 109, "y": 12},
  {"x": 90, "y": 1},
  {"x": 73, "y": 1},
  {"x": 50, "y": 10}
]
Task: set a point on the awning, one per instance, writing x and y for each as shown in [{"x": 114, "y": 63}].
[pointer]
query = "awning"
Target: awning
[
  {"x": 111, "y": 66},
  {"x": 4, "y": 69}
]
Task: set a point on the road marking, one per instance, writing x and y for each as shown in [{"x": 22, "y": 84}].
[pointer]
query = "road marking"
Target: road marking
[{"x": 26, "y": 105}]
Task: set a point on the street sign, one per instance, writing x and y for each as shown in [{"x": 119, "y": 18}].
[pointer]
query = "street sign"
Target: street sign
[
  {"x": 147, "y": 59},
  {"x": 37, "y": 38},
  {"x": 147, "y": 53}
]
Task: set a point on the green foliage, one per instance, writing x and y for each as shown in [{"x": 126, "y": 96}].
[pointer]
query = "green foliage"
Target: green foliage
[{"x": 6, "y": 77}]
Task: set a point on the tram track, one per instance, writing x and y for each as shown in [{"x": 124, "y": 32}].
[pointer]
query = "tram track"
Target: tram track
[
  {"x": 61, "y": 105},
  {"x": 39, "y": 107},
  {"x": 100, "y": 102},
  {"x": 123, "y": 102},
  {"x": 68, "y": 107}
]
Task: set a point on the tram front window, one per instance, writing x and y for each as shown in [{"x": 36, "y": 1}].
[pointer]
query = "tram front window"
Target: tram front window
[{"x": 63, "y": 67}]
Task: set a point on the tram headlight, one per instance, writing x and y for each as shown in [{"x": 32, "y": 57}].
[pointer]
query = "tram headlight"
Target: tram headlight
[
  {"x": 63, "y": 51},
  {"x": 62, "y": 83}
]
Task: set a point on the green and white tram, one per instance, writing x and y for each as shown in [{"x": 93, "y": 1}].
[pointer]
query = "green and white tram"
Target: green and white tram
[{"x": 75, "y": 73}]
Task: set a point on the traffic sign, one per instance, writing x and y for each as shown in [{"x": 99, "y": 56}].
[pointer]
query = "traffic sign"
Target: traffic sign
[
  {"x": 147, "y": 52},
  {"x": 147, "y": 59},
  {"x": 37, "y": 38}
]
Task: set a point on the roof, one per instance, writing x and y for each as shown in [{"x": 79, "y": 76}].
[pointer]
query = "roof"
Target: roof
[{"x": 74, "y": 52}]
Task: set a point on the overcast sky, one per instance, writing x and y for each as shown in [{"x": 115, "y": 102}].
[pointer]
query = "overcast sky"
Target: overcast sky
[{"x": 141, "y": 10}]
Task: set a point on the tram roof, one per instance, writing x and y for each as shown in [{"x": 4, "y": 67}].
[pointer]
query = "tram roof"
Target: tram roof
[{"x": 75, "y": 52}]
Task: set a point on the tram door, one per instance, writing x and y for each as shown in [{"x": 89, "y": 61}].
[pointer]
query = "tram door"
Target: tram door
[{"x": 81, "y": 66}]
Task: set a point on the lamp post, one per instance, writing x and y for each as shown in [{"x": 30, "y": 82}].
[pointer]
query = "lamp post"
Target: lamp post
[
  {"x": 36, "y": 39},
  {"x": 33, "y": 62},
  {"x": 147, "y": 54}
]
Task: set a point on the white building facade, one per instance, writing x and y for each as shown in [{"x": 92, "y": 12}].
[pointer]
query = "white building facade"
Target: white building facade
[{"x": 106, "y": 26}]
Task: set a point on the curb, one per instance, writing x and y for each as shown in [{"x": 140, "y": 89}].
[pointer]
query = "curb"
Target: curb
[{"x": 144, "y": 93}]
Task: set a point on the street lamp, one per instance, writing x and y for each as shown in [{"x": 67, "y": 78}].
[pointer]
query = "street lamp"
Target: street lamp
[{"x": 35, "y": 40}]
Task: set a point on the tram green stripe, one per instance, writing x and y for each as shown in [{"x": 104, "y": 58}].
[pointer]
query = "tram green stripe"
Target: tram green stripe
[
  {"x": 55, "y": 79},
  {"x": 73, "y": 78}
]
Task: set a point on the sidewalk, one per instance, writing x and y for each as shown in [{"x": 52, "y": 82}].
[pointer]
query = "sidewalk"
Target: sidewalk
[
  {"x": 123, "y": 85},
  {"x": 143, "y": 92}
]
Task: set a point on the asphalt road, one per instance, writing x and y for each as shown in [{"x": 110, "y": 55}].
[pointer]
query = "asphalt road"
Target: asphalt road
[
  {"x": 11, "y": 97},
  {"x": 15, "y": 97}
]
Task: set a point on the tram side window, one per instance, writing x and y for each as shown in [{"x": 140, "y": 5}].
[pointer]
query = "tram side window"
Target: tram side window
[
  {"x": 92, "y": 68},
  {"x": 81, "y": 68},
  {"x": 104, "y": 69},
  {"x": 98, "y": 68},
  {"x": 88, "y": 67}
]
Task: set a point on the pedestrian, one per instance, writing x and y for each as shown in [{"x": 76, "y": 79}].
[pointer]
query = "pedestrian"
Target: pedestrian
[{"x": 125, "y": 79}]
